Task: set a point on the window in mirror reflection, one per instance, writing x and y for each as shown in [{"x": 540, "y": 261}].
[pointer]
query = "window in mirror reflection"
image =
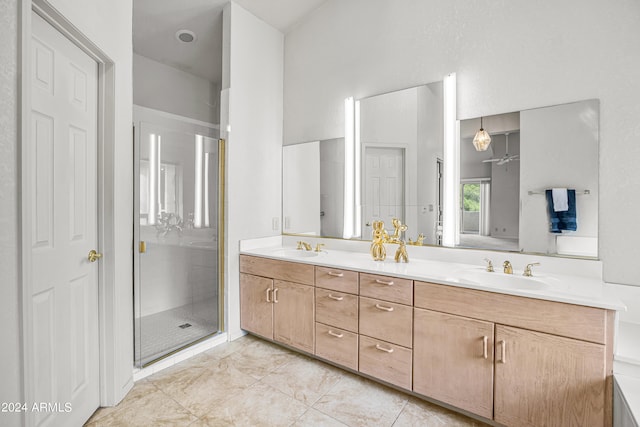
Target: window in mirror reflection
[{"x": 531, "y": 152}]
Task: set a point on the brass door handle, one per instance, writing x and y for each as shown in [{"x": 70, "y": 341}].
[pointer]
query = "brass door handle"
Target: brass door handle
[{"x": 94, "y": 255}]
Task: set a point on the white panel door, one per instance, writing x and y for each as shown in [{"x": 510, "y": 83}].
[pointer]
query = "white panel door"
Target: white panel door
[
  {"x": 62, "y": 153},
  {"x": 383, "y": 191}
]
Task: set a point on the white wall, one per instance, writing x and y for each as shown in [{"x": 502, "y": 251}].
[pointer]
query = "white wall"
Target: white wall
[
  {"x": 161, "y": 87},
  {"x": 254, "y": 72},
  {"x": 559, "y": 148},
  {"x": 508, "y": 56},
  {"x": 108, "y": 25},
  {"x": 301, "y": 188},
  {"x": 10, "y": 302}
]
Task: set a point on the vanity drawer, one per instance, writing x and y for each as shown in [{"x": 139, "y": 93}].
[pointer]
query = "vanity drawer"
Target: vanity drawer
[
  {"x": 337, "y": 345},
  {"x": 385, "y": 361},
  {"x": 338, "y": 309},
  {"x": 338, "y": 280},
  {"x": 568, "y": 320},
  {"x": 387, "y": 288},
  {"x": 386, "y": 321},
  {"x": 275, "y": 269}
]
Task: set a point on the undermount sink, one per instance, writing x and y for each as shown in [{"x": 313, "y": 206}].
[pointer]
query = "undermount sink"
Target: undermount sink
[
  {"x": 480, "y": 276},
  {"x": 294, "y": 253}
]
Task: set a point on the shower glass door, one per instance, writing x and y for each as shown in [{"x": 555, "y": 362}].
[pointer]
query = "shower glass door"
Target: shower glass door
[{"x": 176, "y": 293}]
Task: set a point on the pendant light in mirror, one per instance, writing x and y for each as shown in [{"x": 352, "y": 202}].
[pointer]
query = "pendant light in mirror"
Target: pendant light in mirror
[{"x": 482, "y": 139}]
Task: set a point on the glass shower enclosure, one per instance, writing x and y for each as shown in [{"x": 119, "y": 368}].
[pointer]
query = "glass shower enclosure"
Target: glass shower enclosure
[{"x": 177, "y": 286}]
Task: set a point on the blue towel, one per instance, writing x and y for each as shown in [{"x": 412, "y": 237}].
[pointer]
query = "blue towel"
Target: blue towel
[{"x": 565, "y": 220}]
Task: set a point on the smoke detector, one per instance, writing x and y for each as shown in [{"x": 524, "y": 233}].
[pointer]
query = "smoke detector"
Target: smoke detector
[{"x": 185, "y": 36}]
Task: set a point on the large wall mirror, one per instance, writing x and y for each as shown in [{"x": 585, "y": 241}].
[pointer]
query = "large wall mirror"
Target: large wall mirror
[{"x": 502, "y": 191}]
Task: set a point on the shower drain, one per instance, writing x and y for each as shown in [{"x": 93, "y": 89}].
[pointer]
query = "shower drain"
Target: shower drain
[{"x": 184, "y": 325}]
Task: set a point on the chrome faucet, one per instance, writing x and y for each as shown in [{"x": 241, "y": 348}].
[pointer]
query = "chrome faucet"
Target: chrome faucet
[
  {"x": 527, "y": 269},
  {"x": 303, "y": 245},
  {"x": 508, "y": 268}
]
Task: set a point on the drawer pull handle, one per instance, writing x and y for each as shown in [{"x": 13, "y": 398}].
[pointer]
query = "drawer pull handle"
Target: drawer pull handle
[
  {"x": 503, "y": 345},
  {"x": 331, "y": 273},
  {"x": 268, "y": 294},
  {"x": 275, "y": 295},
  {"x": 381, "y": 348},
  {"x": 383, "y": 282},
  {"x": 382, "y": 307},
  {"x": 485, "y": 349},
  {"x": 333, "y": 334},
  {"x": 333, "y": 297}
]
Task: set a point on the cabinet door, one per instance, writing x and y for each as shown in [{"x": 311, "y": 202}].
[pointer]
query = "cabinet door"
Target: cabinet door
[
  {"x": 453, "y": 360},
  {"x": 293, "y": 315},
  {"x": 256, "y": 309},
  {"x": 546, "y": 380}
]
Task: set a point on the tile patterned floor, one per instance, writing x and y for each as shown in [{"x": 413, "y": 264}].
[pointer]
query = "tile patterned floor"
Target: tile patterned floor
[{"x": 251, "y": 382}]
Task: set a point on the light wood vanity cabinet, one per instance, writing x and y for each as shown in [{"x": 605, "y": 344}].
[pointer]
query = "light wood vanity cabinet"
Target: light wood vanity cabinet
[
  {"x": 518, "y": 361},
  {"x": 551, "y": 365},
  {"x": 278, "y": 309}
]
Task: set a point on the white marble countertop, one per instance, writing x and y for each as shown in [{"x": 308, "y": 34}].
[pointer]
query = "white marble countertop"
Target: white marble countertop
[{"x": 569, "y": 289}]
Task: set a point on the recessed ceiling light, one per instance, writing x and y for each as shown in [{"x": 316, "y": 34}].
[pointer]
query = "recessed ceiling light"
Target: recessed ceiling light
[{"x": 186, "y": 36}]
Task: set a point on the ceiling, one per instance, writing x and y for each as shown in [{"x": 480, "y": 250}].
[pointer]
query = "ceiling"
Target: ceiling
[{"x": 155, "y": 23}]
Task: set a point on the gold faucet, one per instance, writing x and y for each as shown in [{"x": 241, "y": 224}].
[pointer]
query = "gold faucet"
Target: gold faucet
[
  {"x": 489, "y": 265},
  {"x": 527, "y": 269},
  {"x": 419, "y": 241},
  {"x": 301, "y": 244},
  {"x": 380, "y": 237},
  {"x": 319, "y": 247},
  {"x": 508, "y": 268}
]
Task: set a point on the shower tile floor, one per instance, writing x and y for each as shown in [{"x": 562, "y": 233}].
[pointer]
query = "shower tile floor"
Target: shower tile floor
[
  {"x": 251, "y": 382},
  {"x": 161, "y": 333}
]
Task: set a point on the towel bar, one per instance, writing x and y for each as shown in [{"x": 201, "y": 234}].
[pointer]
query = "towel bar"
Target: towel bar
[{"x": 578, "y": 193}]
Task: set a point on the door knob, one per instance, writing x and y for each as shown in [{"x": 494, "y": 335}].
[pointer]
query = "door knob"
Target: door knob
[{"x": 94, "y": 256}]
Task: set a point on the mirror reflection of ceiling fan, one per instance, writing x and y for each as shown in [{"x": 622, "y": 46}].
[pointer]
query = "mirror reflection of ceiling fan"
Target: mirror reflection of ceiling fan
[{"x": 506, "y": 158}]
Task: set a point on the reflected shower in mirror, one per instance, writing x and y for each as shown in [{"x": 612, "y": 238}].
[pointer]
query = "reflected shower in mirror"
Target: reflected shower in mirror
[{"x": 503, "y": 203}]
